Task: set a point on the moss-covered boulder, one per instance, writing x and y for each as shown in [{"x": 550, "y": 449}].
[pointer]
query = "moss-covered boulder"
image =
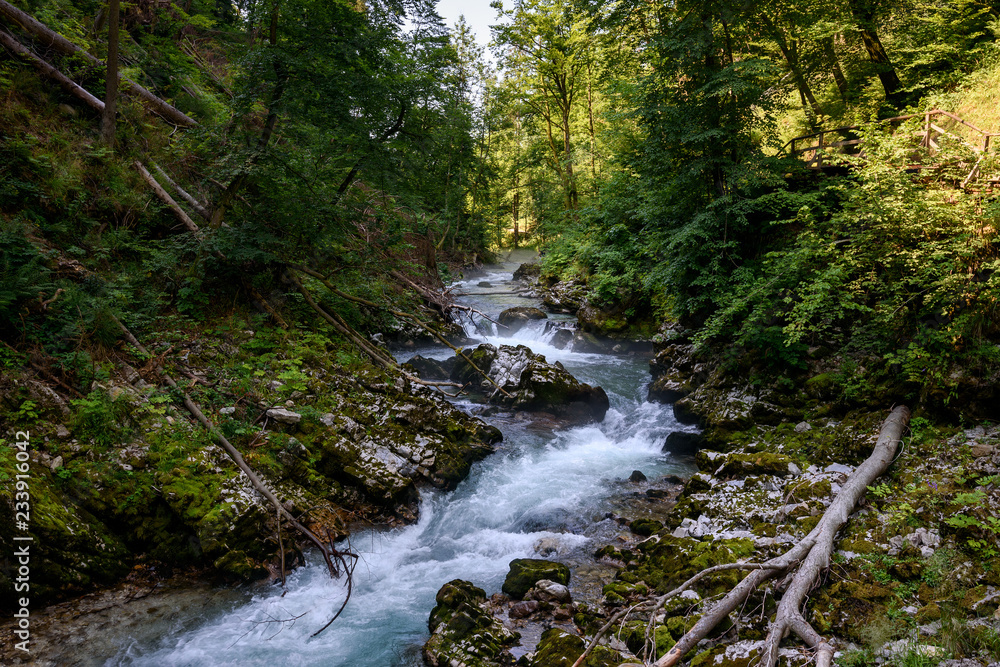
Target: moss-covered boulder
[
  {"x": 526, "y": 572},
  {"x": 645, "y": 527},
  {"x": 431, "y": 369},
  {"x": 565, "y": 296},
  {"x": 463, "y": 632},
  {"x": 558, "y": 648},
  {"x": 755, "y": 463},
  {"x": 676, "y": 373},
  {"x": 666, "y": 561},
  {"x": 528, "y": 271}
]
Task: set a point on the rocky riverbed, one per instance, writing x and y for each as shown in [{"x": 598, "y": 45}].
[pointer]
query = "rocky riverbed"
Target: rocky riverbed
[{"x": 914, "y": 576}]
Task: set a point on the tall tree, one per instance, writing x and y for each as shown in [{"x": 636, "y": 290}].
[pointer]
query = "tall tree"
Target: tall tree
[
  {"x": 866, "y": 15},
  {"x": 111, "y": 76},
  {"x": 545, "y": 49}
]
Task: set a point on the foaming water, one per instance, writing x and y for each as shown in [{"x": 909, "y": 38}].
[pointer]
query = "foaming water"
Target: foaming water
[{"x": 541, "y": 488}]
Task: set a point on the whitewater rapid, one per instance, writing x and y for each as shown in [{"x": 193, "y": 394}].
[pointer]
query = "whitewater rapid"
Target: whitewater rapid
[{"x": 544, "y": 491}]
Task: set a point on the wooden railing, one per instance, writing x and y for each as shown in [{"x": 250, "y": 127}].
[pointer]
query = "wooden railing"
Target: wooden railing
[{"x": 845, "y": 140}]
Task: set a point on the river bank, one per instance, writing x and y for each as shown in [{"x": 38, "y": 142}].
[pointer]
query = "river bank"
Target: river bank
[{"x": 913, "y": 578}]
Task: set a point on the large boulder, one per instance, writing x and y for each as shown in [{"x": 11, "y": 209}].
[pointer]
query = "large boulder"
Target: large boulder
[
  {"x": 565, "y": 297},
  {"x": 463, "y": 632},
  {"x": 530, "y": 383},
  {"x": 683, "y": 443},
  {"x": 559, "y": 647},
  {"x": 526, "y": 572},
  {"x": 527, "y": 271},
  {"x": 675, "y": 372},
  {"x": 431, "y": 369},
  {"x": 515, "y": 318}
]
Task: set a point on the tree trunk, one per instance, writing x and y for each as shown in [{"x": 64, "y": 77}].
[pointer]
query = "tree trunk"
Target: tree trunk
[
  {"x": 590, "y": 118},
  {"x": 571, "y": 194},
  {"x": 515, "y": 209},
  {"x": 48, "y": 70},
  {"x": 195, "y": 204},
  {"x": 111, "y": 84},
  {"x": 864, "y": 14},
  {"x": 56, "y": 41},
  {"x": 834, "y": 64},
  {"x": 165, "y": 197},
  {"x": 791, "y": 57}
]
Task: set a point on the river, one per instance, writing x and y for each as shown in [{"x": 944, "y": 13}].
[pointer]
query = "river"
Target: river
[{"x": 544, "y": 492}]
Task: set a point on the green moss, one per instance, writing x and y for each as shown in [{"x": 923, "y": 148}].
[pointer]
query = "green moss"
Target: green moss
[
  {"x": 558, "y": 648},
  {"x": 462, "y": 632},
  {"x": 762, "y": 463},
  {"x": 668, "y": 561},
  {"x": 645, "y": 527},
  {"x": 525, "y": 572},
  {"x": 634, "y": 636},
  {"x": 74, "y": 549}
]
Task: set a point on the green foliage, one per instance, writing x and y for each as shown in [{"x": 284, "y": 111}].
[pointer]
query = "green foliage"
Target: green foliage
[
  {"x": 27, "y": 411},
  {"x": 98, "y": 417}
]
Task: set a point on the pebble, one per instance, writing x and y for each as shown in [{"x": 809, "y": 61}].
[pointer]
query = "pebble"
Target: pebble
[
  {"x": 839, "y": 468},
  {"x": 523, "y": 609},
  {"x": 284, "y": 416},
  {"x": 802, "y": 427},
  {"x": 980, "y": 450}
]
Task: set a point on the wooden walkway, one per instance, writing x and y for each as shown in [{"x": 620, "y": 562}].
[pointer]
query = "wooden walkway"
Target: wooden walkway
[{"x": 820, "y": 146}]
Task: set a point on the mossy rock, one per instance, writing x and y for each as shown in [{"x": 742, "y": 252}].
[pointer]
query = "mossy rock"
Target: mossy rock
[
  {"x": 481, "y": 356},
  {"x": 645, "y": 527},
  {"x": 849, "y": 605},
  {"x": 526, "y": 572},
  {"x": 463, "y": 633},
  {"x": 237, "y": 565},
  {"x": 823, "y": 387},
  {"x": 667, "y": 561},
  {"x": 762, "y": 463},
  {"x": 72, "y": 550},
  {"x": 558, "y": 648},
  {"x": 634, "y": 636},
  {"x": 514, "y": 319}
]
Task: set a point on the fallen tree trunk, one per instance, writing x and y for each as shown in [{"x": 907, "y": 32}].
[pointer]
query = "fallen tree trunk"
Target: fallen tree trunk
[
  {"x": 195, "y": 204},
  {"x": 52, "y": 39},
  {"x": 48, "y": 70},
  {"x": 165, "y": 197},
  {"x": 805, "y": 561}
]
